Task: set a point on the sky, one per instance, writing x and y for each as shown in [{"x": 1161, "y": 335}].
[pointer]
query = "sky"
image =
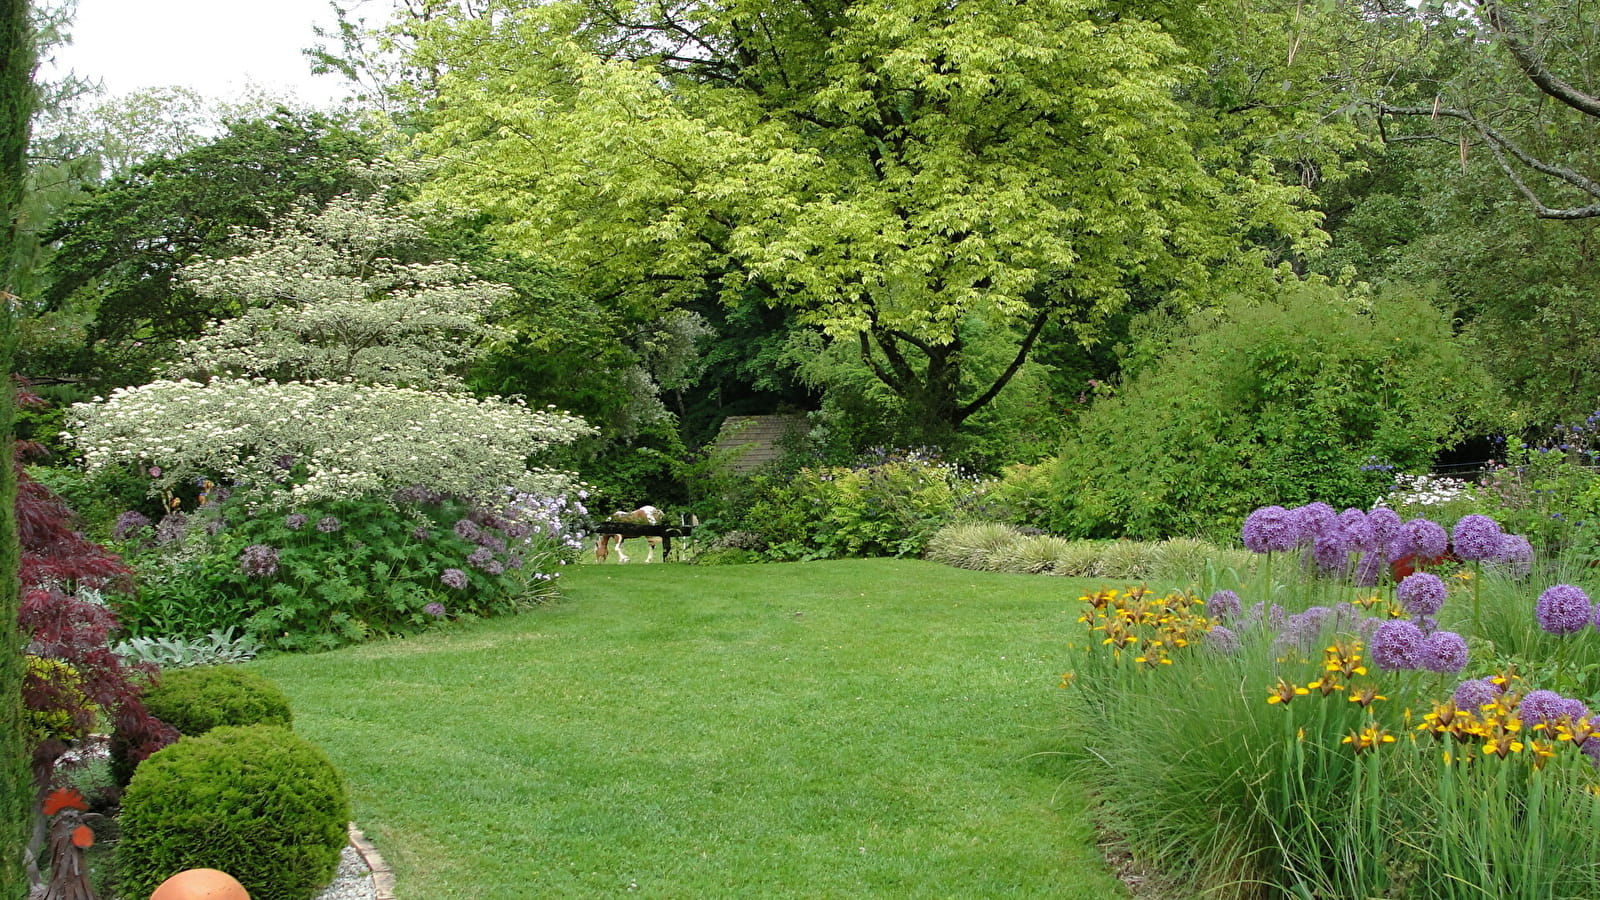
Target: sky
[{"x": 213, "y": 46}]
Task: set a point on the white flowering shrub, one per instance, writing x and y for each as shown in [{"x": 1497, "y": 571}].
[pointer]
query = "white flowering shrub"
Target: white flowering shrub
[
  {"x": 325, "y": 297},
  {"x": 333, "y": 440}
]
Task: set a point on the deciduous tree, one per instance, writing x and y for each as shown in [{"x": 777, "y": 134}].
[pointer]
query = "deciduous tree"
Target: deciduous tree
[{"x": 894, "y": 173}]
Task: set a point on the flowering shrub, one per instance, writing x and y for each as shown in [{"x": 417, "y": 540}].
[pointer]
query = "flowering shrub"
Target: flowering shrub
[
  {"x": 334, "y": 572},
  {"x": 1341, "y": 740},
  {"x": 344, "y": 440}
]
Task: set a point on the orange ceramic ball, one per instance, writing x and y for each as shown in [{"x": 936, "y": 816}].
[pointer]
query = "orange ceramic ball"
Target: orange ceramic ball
[{"x": 201, "y": 884}]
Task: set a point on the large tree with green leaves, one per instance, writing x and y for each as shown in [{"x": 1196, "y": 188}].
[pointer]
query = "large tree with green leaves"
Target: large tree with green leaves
[
  {"x": 897, "y": 174},
  {"x": 16, "y": 110},
  {"x": 119, "y": 251}
]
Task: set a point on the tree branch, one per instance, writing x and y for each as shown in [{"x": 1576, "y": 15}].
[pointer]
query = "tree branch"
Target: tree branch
[
  {"x": 1016, "y": 364},
  {"x": 1529, "y": 61}
]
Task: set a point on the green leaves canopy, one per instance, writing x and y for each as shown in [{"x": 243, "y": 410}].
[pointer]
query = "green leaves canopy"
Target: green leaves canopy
[{"x": 893, "y": 172}]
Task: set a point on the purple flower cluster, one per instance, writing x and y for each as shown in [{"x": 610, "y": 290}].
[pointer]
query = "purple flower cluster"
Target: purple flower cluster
[
  {"x": 1223, "y": 605},
  {"x": 295, "y": 521},
  {"x": 1541, "y": 708},
  {"x": 1270, "y": 529},
  {"x": 1515, "y": 555},
  {"x": 1475, "y": 693},
  {"x": 1421, "y": 594},
  {"x": 454, "y": 578},
  {"x": 484, "y": 559},
  {"x": 1223, "y": 640},
  {"x": 172, "y": 528},
  {"x": 421, "y": 533},
  {"x": 1395, "y": 644},
  {"x": 259, "y": 561},
  {"x": 1564, "y": 609},
  {"x": 129, "y": 524},
  {"x": 1442, "y": 651},
  {"x": 436, "y": 610},
  {"x": 467, "y": 530},
  {"x": 1423, "y": 538},
  {"x": 328, "y": 524},
  {"x": 1476, "y": 538}
]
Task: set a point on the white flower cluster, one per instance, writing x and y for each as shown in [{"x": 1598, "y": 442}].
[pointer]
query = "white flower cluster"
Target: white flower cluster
[
  {"x": 1426, "y": 490},
  {"x": 325, "y": 299},
  {"x": 353, "y": 439}
]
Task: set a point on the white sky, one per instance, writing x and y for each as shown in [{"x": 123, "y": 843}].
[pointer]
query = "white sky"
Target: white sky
[{"x": 213, "y": 46}]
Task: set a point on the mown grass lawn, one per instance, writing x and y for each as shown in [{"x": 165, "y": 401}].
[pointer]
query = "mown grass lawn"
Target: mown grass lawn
[{"x": 864, "y": 728}]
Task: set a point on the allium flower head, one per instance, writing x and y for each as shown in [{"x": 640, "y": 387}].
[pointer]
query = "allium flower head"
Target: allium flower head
[
  {"x": 467, "y": 530},
  {"x": 1422, "y": 538},
  {"x": 421, "y": 533},
  {"x": 171, "y": 528},
  {"x": 1222, "y": 640},
  {"x": 1383, "y": 524},
  {"x": 1270, "y": 529},
  {"x": 1311, "y": 520},
  {"x": 328, "y": 524},
  {"x": 1541, "y": 707},
  {"x": 1563, "y": 609},
  {"x": 129, "y": 524},
  {"x": 1395, "y": 644},
  {"x": 1443, "y": 651},
  {"x": 1476, "y": 538},
  {"x": 1516, "y": 554},
  {"x": 295, "y": 521},
  {"x": 1421, "y": 593},
  {"x": 259, "y": 561},
  {"x": 454, "y": 578},
  {"x": 1477, "y": 692},
  {"x": 1331, "y": 549},
  {"x": 434, "y": 609},
  {"x": 1223, "y": 605}
]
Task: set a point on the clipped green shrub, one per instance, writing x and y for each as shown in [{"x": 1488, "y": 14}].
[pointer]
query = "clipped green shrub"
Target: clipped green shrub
[
  {"x": 196, "y": 700},
  {"x": 258, "y": 802}
]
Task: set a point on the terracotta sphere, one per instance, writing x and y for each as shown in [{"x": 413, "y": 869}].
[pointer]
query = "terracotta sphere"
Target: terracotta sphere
[{"x": 201, "y": 884}]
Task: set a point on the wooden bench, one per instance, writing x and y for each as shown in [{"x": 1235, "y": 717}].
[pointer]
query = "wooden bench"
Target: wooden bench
[{"x": 635, "y": 530}]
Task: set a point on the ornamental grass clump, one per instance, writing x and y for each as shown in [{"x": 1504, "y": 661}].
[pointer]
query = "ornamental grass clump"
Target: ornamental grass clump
[{"x": 1343, "y": 739}]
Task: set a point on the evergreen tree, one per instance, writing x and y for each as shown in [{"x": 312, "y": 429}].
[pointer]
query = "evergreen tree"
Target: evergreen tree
[{"x": 16, "y": 106}]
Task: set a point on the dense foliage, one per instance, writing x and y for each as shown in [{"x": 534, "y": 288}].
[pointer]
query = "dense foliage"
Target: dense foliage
[
  {"x": 257, "y": 802},
  {"x": 1311, "y": 394},
  {"x": 196, "y": 700},
  {"x": 317, "y": 575}
]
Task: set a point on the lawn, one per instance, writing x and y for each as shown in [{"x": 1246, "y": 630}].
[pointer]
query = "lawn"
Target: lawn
[{"x": 834, "y": 729}]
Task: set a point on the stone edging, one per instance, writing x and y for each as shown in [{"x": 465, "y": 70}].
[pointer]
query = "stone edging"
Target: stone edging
[{"x": 382, "y": 877}]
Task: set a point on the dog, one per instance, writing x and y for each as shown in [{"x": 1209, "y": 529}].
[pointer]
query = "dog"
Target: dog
[{"x": 644, "y": 515}]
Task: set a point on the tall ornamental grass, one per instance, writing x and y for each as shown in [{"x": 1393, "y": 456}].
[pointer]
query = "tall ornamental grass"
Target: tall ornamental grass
[{"x": 1325, "y": 730}]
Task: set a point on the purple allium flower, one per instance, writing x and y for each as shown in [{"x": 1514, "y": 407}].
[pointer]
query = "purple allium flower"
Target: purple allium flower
[
  {"x": 259, "y": 561},
  {"x": 1369, "y": 627},
  {"x": 517, "y": 530},
  {"x": 1310, "y": 521},
  {"x": 434, "y": 609},
  {"x": 1395, "y": 644},
  {"x": 1541, "y": 708},
  {"x": 1331, "y": 549},
  {"x": 1443, "y": 651},
  {"x": 1270, "y": 529},
  {"x": 1421, "y": 593},
  {"x": 1422, "y": 538},
  {"x": 1427, "y": 624},
  {"x": 485, "y": 539},
  {"x": 467, "y": 530},
  {"x": 1353, "y": 522},
  {"x": 1222, "y": 640},
  {"x": 1274, "y": 617},
  {"x": 417, "y": 494},
  {"x": 1563, "y": 609},
  {"x": 295, "y": 521},
  {"x": 1476, "y": 538},
  {"x": 1383, "y": 524},
  {"x": 328, "y": 524},
  {"x": 173, "y": 527},
  {"x": 483, "y": 558},
  {"x": 454, "y": 578},
  {"x": 1475, "y": 693},
  {"x": 128, "y": 524},
  {"x": 1223, "y": 605},
  {"x": 514, "y": 561},
  {"x": 1515, "y": 554},
  {"x": 1575, "y": 709}
]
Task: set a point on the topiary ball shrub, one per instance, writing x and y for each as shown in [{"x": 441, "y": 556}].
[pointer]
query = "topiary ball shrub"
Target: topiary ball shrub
[
  {"x": 194, "y": 701},
  {"x": 258, "y": 802}
]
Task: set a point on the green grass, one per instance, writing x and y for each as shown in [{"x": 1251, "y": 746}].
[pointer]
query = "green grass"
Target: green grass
[{"x": 841, "y": 729}]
